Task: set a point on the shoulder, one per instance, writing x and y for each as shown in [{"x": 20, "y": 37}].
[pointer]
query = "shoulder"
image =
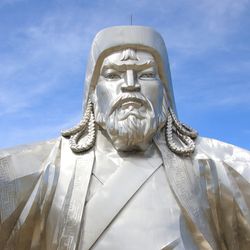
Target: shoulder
[
  {"x": 20, "y": 171},
  {"x": 25, "y": 159},
  {"x": 224, "y": 154},
  {"x": 218, "y": 150}
]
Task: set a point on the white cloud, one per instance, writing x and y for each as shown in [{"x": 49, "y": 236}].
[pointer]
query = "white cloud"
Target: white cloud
[
  {"x": 237, "y": 66},
  {"x": 10, "y": 2},
  {"x": 36, "y": 133},
  {"x": 203, "y": 25},
  {"x": 42, "y": 54},
  {"x": 209, "y": 95}
]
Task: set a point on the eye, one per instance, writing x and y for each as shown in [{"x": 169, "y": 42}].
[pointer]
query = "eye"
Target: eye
[
  {"x": 148, "y": 75},
  {"x": 112, "y": 76}
]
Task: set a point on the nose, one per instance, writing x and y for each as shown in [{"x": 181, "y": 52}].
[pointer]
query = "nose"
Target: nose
[{"x": 130, "y": 84}]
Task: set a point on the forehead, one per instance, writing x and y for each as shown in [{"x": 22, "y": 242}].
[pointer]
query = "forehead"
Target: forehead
[{"x": 129, "y": 57}]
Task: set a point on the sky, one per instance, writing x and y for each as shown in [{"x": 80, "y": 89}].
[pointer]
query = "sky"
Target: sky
[{"x": 44, "y": 49}]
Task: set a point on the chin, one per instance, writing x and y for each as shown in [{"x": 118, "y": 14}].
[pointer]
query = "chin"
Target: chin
[
  {"x": 124, "y": 147},
  {"x": 130, "y": 134},
  {"x": 132, "y": 140}
]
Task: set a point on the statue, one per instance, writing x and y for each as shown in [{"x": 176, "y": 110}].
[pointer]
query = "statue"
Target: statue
[{"x": 130, "y": 175}]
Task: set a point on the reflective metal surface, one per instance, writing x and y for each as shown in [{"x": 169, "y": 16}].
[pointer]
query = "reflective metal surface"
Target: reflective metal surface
[{"x": 134, "y": 188}]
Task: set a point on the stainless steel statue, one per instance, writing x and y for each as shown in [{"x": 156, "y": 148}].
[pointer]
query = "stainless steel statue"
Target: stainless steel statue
[{"x": 129, "y": 175}]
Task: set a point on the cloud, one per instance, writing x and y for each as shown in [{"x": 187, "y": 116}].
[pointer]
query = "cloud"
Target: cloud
[
  {"x": 247, "y": 132},
  {"x": 201, "y": 26},
  {"x": 43, "y": 57},
  {"x": 239, "y": 66},
  {"x": 10, "y": 2},
  {"x": 40, "y": 132},
  {"x": 208, "y": 95},
  {"x": 43, "y": 54}
]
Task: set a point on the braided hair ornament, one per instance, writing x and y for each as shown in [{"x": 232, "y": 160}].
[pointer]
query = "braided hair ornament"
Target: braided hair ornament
[
  {"x": 185, "y": 135},
  {"x": 77, "y": 132}
]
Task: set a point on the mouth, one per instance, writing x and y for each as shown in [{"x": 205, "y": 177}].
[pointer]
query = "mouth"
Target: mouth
[
  {"x": 135, "y": 114},
  {"x": 134, "y": 104},
  {"x": 125, "y": 103}
]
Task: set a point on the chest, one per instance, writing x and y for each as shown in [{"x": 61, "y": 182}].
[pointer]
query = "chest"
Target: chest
[{"x": 149, "y": 219}]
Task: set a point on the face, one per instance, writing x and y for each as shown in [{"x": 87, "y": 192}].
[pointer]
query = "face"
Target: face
[{"x": 128, "y": 99}]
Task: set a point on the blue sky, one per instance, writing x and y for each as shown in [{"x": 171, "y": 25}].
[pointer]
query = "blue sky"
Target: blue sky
[{"x": 44, "y": 48}]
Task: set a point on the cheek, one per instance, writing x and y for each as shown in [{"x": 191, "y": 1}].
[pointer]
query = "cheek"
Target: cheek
[
  {"x": 153, "y": 90},
  {"x": 105, "y": 95}
]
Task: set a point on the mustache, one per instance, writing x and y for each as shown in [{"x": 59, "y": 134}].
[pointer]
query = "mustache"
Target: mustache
[{"x": 136, "y": 98}]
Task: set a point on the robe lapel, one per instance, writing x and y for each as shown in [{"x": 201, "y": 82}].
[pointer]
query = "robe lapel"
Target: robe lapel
[
  {"x": 188, "y": 194},
  {"x": 73, "y": 186},
  {"x": 106, "y": 204}
]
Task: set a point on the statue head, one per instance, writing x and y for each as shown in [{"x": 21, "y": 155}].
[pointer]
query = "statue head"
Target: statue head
[
  {"x": 128, "y": 90},
  {"x": 128, "y": 99}
]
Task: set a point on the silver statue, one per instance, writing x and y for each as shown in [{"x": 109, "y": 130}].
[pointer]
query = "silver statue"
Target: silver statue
[{"x": 130, "y": 175}]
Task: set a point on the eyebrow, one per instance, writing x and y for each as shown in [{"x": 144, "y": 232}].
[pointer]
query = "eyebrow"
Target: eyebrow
[{"x": 124, "y": 67}]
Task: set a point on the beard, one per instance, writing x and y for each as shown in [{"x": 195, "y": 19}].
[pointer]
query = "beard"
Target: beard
[{"x": 131, "y": 122}]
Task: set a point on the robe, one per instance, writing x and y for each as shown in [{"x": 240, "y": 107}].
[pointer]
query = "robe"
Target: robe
[{"x": 51, "y": 198}]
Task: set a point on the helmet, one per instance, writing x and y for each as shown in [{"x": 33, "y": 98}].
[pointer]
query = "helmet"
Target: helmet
[{"x": 117, "y": 38}]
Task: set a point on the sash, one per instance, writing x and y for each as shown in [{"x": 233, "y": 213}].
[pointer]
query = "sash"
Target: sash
[
  {"x": 188, "y": 194},
  {"x": 75, "y": 174},
  {"x": 106, "y": 204}
]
